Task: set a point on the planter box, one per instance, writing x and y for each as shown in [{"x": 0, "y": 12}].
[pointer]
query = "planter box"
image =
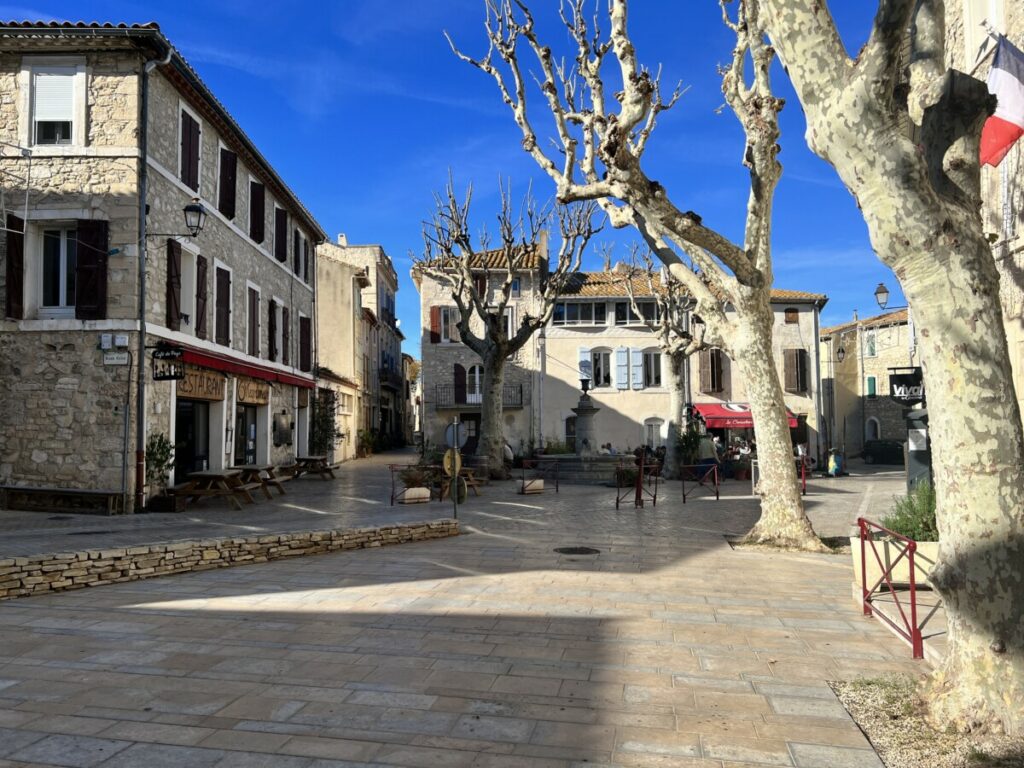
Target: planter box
[
  {"x": 166, "y": 503},
  {"x": 924, "y": 559},
  {"x": 531, "y": 486},
  {"x": 414, "y": 496}
]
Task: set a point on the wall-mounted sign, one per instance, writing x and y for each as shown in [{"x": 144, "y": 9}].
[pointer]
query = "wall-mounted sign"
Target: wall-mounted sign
[
  {"x": 167, "y": 363},
  {"x": 115, "y": 358},
  {"x": 253, "y": 391},
  {"x": 201, "y": 384},
  {"x": 906, "y": 388}
]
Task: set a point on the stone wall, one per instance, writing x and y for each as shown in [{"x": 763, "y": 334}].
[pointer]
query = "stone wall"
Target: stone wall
[{"x": 24, "y": 576}]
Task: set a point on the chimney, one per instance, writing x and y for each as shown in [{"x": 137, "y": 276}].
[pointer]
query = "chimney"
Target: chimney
[
  {"x": 342, "y": 239},
  {"x": 855, "y": 315}
]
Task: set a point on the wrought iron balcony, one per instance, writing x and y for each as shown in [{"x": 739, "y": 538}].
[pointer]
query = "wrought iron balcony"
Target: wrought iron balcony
[
  {"x": 448, "y": 396},
  {"x": 390, "y": 379}
]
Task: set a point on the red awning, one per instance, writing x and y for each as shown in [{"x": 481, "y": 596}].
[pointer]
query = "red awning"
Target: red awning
[
  {"x": 732, "y": 415},
  {"x": 228, "y": 365}
]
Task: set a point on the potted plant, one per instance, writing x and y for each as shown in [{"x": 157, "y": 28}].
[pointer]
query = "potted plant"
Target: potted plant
[
  {"x": 417, "y": 486},
  {"x": 159, "y": 461},
  {"x": 912, "y": 516}
]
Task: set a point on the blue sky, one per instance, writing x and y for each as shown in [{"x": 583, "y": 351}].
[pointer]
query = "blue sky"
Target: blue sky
[{"x": 363, "y": 109}]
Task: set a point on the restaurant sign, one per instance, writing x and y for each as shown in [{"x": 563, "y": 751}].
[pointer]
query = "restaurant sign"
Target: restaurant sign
[
  {"x": 906, "y": 388},
  {"x": 253, "y": 391},
  {"x": 201, "y": 384},
  {"x": 168, "y": 363}
]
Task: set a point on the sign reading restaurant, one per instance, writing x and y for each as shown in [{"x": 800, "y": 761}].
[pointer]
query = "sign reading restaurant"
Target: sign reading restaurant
[{"x": 201, "y": 384}]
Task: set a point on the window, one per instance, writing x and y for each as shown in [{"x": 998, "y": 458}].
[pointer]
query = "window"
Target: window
[
  {"x": 191, "y": 149},
  {"x": 652, "y": 368},
  {"x": 252, "y": 322},
  {"x": 795, "y": 370},
  {"x": 274, "y": 330},
  {"x": 280, "y": 234},
  {"x": 712, "y": 370},
  {"x": 450, "y": 324},
  {"x": 305, "y": 344},
  {"x": 257, "y": 211},
  {"x": 792, "y": 315},
  {"x": 509, "y": 316},
  {"x": 601, "y": 365},
  {"x": 297, "y": 251},
  {"x": 345, "y": 403},
  {"x": 474, "y": 384},
  {"x": 226, "y": 182},
  {"x": 222, "y": 329},
  {"x": 872, "y": 429},
  {"x": 53, "y": 104},
  {"x": 579, "y": 313},
  {"x": 60, "y": 262},
  {"x": 652, "y": 432},
  {"x": 624, "y": 314},
  {"x": 870, "y": 348},
  {"x": 514, "y": 293},
  {"x": 872, "y": 387}
]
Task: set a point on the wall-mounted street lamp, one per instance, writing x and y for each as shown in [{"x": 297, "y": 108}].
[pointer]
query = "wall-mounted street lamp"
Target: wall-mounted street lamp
[
  {"x": 195, "y": 217},
  {"x": 841, "y": 354},
  {"x": 882, "y": 295}
]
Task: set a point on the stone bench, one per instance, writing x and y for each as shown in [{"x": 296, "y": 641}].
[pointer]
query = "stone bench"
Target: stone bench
[{"x": 45, "y": 499}]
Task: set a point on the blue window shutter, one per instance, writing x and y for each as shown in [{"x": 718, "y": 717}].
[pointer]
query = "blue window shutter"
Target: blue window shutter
[
  {"x": 637, "y": 367},
  {"x": 622, "y": 368}
]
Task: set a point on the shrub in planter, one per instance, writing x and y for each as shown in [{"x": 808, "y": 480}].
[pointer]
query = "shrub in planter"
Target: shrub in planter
[
  {"x": 414, "y": 477},
  {"x": 159, "y": 461},
  {"x": 912, "y": 516}
]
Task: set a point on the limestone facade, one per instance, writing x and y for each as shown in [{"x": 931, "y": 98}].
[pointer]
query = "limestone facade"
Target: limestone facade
[{"x": 75, "y": 262}]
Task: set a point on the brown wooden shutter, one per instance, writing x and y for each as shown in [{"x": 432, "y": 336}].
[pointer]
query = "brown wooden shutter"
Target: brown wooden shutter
[
  {"x": 201, "y": 293},
  {"x": 91, "y": 270},
  {"x": 281, "y": 234},
  {"x": 789, "y": 361},
  {"x": 190, "y": 148},
  {"x": 223, "y": 311},
  {"x": 705, "y": 370},
  {"x": 14, "y": 306},
  {"x": 173, "y": 285},
  {"x": 305, "y": 260},
  {"x": 718, "y": 370},
  {"x": 272, "y": 331},
  {"x": 460, "y": 384},
  {"x": 253, "y": 325},
  {"x": 801, "y": 370},
  {"x": 296, "y": 252},
  {"x": 228, "y": 172},
  {"x": 286, "y": 336},
  {"x": 257, "y": 211},
  {"x": 480, "y": 285},
  {"x": 305, "y": 344},
  {"x": 435, "y": 325}
]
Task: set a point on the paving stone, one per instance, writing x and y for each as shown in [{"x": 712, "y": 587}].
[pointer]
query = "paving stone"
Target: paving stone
[
  {"x": 811, "y": 707},
  {"x": 819, "y": 756},
  {"x": 71, "y": 751},
  {"x": 493, "y": 728},
  {"x": 163, "y": 756}
]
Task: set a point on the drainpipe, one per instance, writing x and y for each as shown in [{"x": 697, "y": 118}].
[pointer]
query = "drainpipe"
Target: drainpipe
[
  {"x": 140, "y": 393},
  {"x": 817, "y": 379}
]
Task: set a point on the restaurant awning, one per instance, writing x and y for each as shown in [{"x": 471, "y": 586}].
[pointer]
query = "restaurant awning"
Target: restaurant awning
[{"x": 731, "y": 415}]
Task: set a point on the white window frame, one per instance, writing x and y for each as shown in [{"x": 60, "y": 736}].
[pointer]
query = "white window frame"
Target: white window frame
[
  {"x": 250, "y": 285},
  {"x": 218, "y": 264},
  {"x": 656, "y": 355},
  {"x": 450, "y": 325},
  {"x": 183, "y": 107},
  {"x": 516, "y": 288},
  {"x": 607, "y": 352},
  {"x": 187, "y": 300},
  {"x": 977, "y": 42},
  {"x": 62, "y": 311},
  {"x": 26, "y": 122},
  {"x": 870, "y": 343},
  {"x": 649, "y": 423},
  {"x": 475, "y": 397}
]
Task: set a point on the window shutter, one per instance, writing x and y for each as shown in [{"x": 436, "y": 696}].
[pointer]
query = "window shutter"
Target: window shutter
[
  {"x": 222, "y": 327},
  {"x": 801, "y": 370},
  {"x": 190, "y": 145},
  {"x": 173, "y": 284},
  {"x": 305, "y": 260},
  {"x": 296, "y": 252},
  {"x": 622, "y": 368},
  {"x": 637, "y": 367},
  {"x": 257, "y": 211},
  {"x": 272, "y": 331},
  {"x": 91, "y": 270},
  {"x": 790, "y": 370},
  {"x": 228, "y": 171},
  {"x": 201, "y": 293},
  {"x": 53, "y": 95},
  {"x": 305, "y": 344},
  {"x": 286, "y": 336},
  {"x": 718, "y": 370},
  {"x": 435, "y": 325},
  {"x": 705, "y": 370},
  {"x": 460, "y": 384},
  {"x": 15, "y": 273},
  {"x": 480, "y": 285},
  {"x": 253, "y": 325},
  {"x": 281, "y": 235}
]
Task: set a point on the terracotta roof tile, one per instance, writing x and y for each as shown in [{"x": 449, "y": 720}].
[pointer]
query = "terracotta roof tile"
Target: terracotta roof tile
[
  {"x": 496, "y": 259},
  {"x": 894, "y": 317},
  {"x": 612, "y": 284}
]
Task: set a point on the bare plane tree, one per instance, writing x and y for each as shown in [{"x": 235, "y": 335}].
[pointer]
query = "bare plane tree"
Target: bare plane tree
[
  {"x": 921, "y": 200},
  {"x": 480, "y": 280},
  {"x": 602, "y": 129}
]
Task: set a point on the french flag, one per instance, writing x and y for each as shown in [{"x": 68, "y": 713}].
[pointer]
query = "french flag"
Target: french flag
[{"x": 1006, "y": 81}]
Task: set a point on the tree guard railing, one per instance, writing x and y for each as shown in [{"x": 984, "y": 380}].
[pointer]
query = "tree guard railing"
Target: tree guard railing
[
  {"x": 541, "y": 469},
  {"x": 639, "y": 479},
  {"x": 908, "y": 628},
  {"x": 698, "y": 478}
]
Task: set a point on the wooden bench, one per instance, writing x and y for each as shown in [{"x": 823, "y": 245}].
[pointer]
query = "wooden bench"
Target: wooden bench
[{"x": 44, "y": 499}]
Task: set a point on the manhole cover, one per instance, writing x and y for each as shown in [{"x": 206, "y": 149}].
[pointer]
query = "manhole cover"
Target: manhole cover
[
  {"x": 87, "y": 533},
  {"x": 577, "y": 551}
]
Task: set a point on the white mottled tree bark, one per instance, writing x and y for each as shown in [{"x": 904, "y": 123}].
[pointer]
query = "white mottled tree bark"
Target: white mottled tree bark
[
  {"x": 602, "y": 129},
  {"x": 921, "y": 201}
]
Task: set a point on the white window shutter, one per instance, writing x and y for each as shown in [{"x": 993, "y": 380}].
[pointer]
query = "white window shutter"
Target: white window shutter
[
  {"x": 622, "y": 368},
  {"x": 637, "y": 363},
  {"x": 53, "y": 94}
]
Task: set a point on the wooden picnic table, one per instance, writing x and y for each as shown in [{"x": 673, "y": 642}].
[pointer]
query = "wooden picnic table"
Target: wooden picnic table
[
  {"x": 314, "y": 465},
  {"x": 217, "y": 482},
  {"x": 262, "y": 474}
]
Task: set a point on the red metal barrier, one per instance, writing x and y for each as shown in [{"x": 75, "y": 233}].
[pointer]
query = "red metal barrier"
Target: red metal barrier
[
  {"x": 700, "y": 477},
  {"x": 645, "y": 482},
  {"x": 910, "y": 630}
]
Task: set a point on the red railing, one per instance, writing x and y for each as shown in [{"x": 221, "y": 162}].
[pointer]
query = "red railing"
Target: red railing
[
  {"x": 700, "y": 477},
  {"x": 643, "y": 483},
  {"x": 542, "y": 469},
  {"x": 910, "y": 629}
]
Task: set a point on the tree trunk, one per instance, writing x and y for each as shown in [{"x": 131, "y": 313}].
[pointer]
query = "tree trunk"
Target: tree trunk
[
  {"x": 978, "y": 472},
  {"x": 783, "y": 521},
  {"x": 677, "y": 422},
  {"x": 491, "y": 444}
]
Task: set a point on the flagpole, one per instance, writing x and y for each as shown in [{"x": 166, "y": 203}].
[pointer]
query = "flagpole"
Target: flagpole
[{"x": 991, "y": 51}]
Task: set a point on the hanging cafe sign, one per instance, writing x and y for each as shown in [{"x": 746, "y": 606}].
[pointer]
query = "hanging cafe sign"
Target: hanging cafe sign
[
  {"x": 168, "y": 363},
  {"x": 906, "y": 388}
]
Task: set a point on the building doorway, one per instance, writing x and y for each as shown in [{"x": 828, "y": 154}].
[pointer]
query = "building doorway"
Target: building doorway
[
  {"x": 245, "y": 434},
  {"x": 472, "y": 424},
  {"x": 192, "y": 437}
]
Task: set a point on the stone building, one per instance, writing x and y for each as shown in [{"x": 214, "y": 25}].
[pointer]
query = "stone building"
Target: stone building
[
  {"x": 858, "y": 359},
  {"x": 81, "y": 104},
  {"x": 631, "y": 381},
  {"x": 382, "y": 380},
  {"x": 410, "y": 375}
]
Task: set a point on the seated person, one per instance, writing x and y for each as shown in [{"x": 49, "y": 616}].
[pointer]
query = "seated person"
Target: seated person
[{"x": 605, "y": 449}]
